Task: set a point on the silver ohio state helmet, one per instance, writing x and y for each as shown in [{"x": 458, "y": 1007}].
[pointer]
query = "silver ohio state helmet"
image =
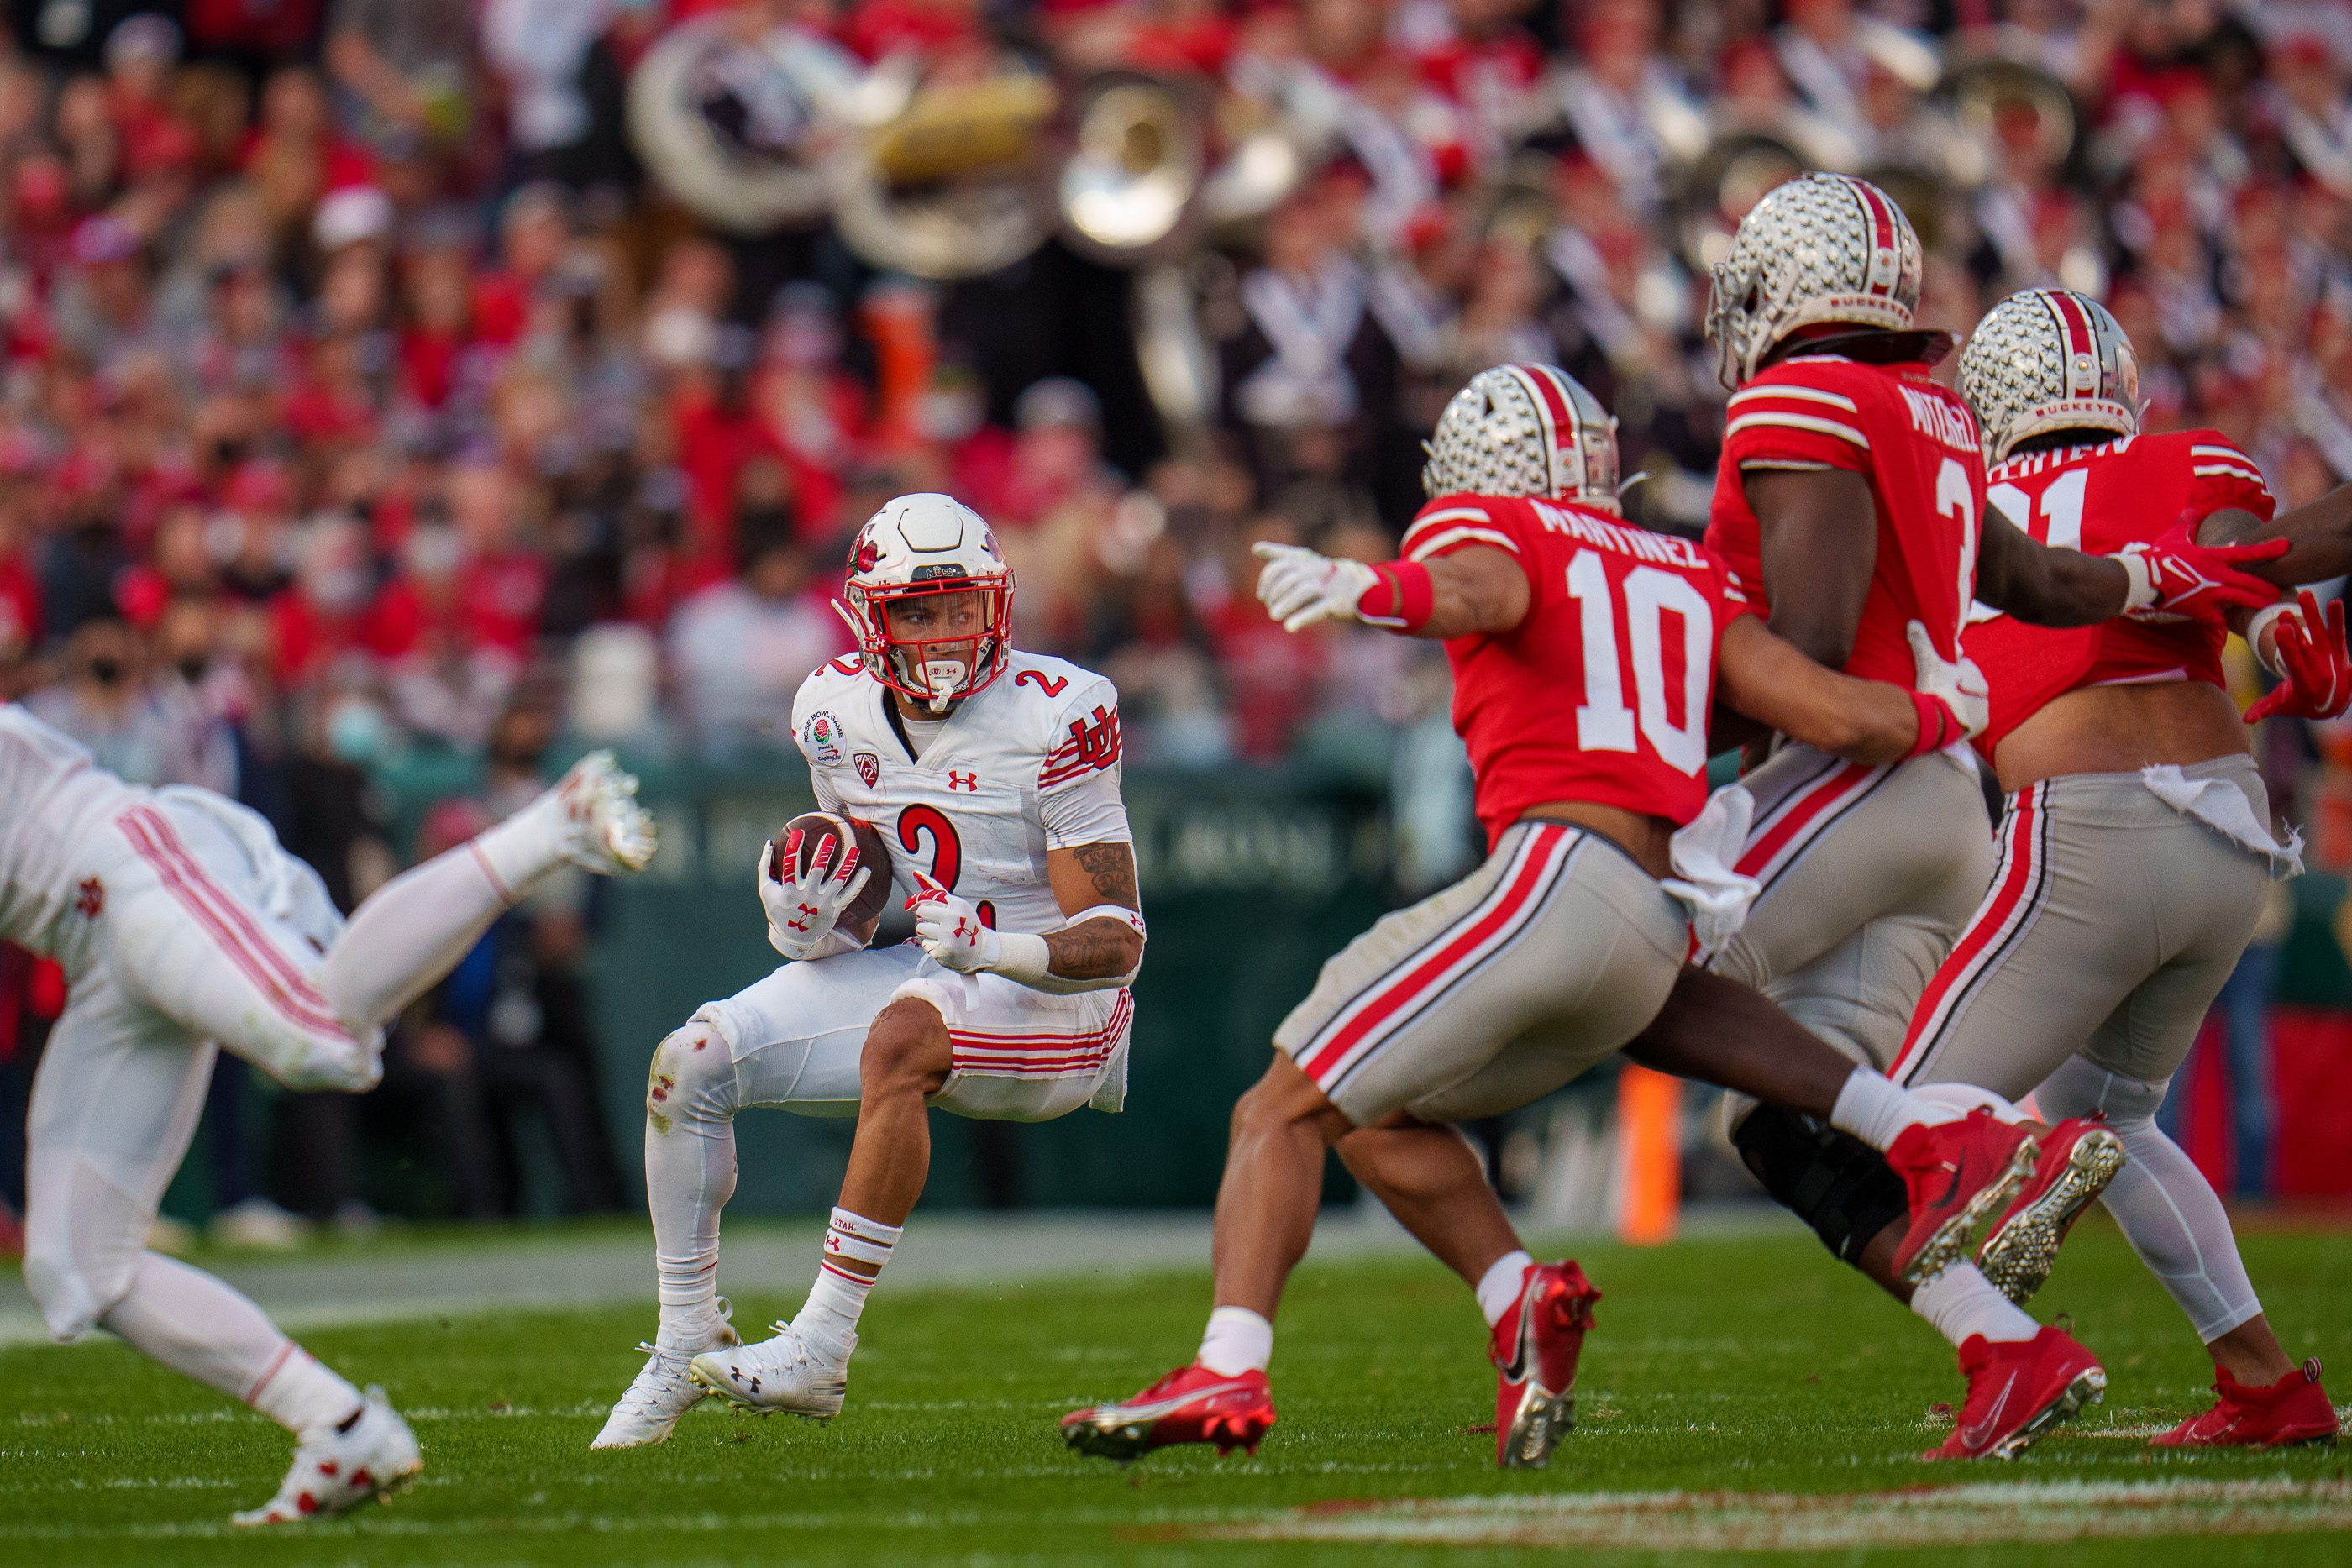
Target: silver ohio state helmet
[
  {"x": 1825, "y": 247},
  {"x": 918, "y": 546},
  {"x": 2049, "y": 359},
  {"x": 1524, "y": 430}
]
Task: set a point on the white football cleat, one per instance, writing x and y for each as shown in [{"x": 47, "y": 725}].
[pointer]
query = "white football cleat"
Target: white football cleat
[
  {"x": 786, "y": 1373},
  {"x": 662, "y": 1391},
  {"x": 605, "y": 829},
  {"x": 342, "y": 1469}
]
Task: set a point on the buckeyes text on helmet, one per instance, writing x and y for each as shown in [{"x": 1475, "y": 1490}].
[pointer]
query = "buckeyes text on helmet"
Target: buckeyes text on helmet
[
  {"x": 921, "y": 546},
  {"x": 2049, "y": 359},
  {"x": 1825, "y": 247},
  {"x": 1524, "y": 430}
]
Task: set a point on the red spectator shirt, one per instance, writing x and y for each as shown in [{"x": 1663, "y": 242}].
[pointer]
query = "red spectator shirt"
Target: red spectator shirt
[
  {"x": 1602, "y": 693},
  {"x": 1916, "y": 442},
  {"x": 2099, "y": 499}
]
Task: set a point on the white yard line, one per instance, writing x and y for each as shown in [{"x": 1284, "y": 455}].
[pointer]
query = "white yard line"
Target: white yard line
[{"x": 1776, "y": 1521}]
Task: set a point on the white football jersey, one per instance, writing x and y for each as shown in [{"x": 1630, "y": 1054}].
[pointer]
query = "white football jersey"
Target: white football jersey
[
  {"x": 51, "y": 793},
  {"x": 1028, "y": 765}
]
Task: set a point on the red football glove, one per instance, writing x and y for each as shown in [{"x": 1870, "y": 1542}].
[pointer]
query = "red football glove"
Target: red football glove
[
  {"x": 2318, "y": 666},
  {"x": 2177, "y": 579}
]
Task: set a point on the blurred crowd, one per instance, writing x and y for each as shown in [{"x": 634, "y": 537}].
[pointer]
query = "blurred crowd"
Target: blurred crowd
[{"x": 364, "y": 393}]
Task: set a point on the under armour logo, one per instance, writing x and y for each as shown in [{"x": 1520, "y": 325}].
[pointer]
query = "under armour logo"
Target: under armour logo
[
  {"x": 967, "y": 782},
  {"x": 963, "y": 928}
]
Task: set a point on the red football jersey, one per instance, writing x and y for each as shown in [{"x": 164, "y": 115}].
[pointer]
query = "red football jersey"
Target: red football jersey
[
  {"x": 1602, "y": 693},
  {"x": 2099, "y": 499},
  {"x": 1916, "y": 442}
]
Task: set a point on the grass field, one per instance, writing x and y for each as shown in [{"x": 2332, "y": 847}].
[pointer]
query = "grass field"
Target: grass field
[{"x": 1778, "y": 1401}]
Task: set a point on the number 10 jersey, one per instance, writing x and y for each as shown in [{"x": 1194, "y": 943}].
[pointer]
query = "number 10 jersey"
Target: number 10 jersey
[
  {"x": 1602, "y": 693},
  {"x": 1030, "y": 764}
]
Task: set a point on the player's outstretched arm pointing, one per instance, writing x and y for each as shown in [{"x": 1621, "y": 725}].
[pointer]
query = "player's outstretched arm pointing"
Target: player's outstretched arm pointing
[{"x": 1475, "y": 592}]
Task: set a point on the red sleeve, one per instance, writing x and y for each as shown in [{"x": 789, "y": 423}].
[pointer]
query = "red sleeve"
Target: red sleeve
[
  {"x": 2221, "y": 477},
  {"x": 1730, "y": 591},
  {"x": 1456, "y": 522},
  {"x": 1801, "y": 416}
]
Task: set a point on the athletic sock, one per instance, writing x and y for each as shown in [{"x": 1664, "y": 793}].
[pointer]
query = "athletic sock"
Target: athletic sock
[
  {"x": 203, "y": 1328},
  {"x": 1238, "y": 1340},
  {"x": 1875, "y": 1109},
  {"x": 829, "y": 1320},
  {"x": 1499, "y": 1286},
  {"x": 1960, "y": 1303},
  {"x": 409, "y": 932},
  {"x": 689, "y": 1177}
]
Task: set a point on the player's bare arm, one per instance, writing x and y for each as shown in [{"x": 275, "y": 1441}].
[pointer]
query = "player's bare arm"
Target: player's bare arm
[
  {"x": 1768, "y": 679},
  {"x": 2177, "y": 576},
  {"x": 1086, "y": 877},
  {"x": 1817, "y": 527},
  {"x": 2318, "y": 536}
]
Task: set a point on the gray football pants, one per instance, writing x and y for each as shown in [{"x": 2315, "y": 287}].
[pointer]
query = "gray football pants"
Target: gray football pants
[{"x": 2083, "y": 978}]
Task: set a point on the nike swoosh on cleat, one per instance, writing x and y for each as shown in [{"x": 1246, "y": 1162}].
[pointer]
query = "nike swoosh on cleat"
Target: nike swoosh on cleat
[
  {"x": 1974, "y": 1437},
  {"x": 1153, "y": 1412}
]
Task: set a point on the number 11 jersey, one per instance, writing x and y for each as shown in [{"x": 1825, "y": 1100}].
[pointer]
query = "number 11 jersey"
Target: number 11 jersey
[
  {"x": 1029, "y": 764},
  {"x": 1602, "y": 693}
]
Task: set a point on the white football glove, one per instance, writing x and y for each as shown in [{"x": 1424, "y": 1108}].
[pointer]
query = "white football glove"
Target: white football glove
[
  {"x": 949, "y": 930},
  {"x": 802, "y": 912},
  {"x": 1960, "y": 685},
  {"x": 1299, "y": 586}
]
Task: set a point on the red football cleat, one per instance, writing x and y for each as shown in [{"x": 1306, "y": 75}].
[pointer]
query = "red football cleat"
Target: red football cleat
[
  {"x": 1959, "y": 1172},
  {"x": 1535, "y": 1347},
  {"x": 2078, "y": 1159},
  {"x": 1191, "y": 1405},
  {"x": 2018, "y": 1391},
  {"x": 2292, "y": 1410}
]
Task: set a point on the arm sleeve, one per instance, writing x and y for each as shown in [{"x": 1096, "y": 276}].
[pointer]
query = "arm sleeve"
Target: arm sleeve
[
  {"x": 2220, "y": 477},
  {"x": 1793, "y": 424},
  {"x": 1077, "y": 783}
]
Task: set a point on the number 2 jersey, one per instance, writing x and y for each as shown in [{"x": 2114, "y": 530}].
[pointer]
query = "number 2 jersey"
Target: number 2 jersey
[
  {"x": 1602, "y": 693},
  {"x": 1916, "y": 442},
  {"x": 1029, "y": 764},
  {"x": 2099, "y": 499}
]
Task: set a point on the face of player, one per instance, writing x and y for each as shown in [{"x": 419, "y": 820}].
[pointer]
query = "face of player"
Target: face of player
[{"x": 948, "y": 626}]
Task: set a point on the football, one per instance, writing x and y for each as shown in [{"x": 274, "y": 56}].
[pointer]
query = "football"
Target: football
[{"x": 873, "y": 850}]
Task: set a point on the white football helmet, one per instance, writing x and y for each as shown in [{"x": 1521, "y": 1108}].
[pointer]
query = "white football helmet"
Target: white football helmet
[
  {"x": 1825, "y": 247},
  {"x": 1524, "y": 430},
  {"x": 928, "y": 544},
  {"x": 2049, "y": 359}
]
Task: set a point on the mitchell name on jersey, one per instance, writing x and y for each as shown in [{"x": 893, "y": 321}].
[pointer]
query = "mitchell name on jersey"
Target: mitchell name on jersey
[{"x": 1031, "y": 763}]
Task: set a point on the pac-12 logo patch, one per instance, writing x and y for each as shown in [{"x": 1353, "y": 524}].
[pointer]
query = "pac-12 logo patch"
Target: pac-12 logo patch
[
  {"x": 821, "y": 739},
  {"x": 869, "y": 767}
]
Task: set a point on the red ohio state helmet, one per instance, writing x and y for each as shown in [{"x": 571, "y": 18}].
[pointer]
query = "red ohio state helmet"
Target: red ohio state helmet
[{"x": 922, "y": 545}]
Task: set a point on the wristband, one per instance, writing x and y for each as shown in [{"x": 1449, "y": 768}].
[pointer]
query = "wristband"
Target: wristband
[
  {"x": 1119, "y": 912},
  {"x": 1021, "y": 955},
  {"x": 1938, "y": 727},
  {"x": 2142, "y": 589},
  {"x": 2254, "y": 629},
  {"x": 1400, "y": 598}
]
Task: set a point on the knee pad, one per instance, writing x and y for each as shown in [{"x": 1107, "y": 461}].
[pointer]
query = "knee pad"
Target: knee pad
[
  {"x": 693, "y": 1073},
  {"x": 2081, "y": 1086},
  {"x": 1833, "y": 1181}
]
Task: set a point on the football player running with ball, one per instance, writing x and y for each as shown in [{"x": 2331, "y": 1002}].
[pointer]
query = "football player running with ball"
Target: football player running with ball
[
  {"x": 181, "y": 925},
  {"x": 1585, "y": 661},
  {"x": 2137, "y": 849},
  {"x": 996, "y": 773},
  {"x": 1851, "y": 499}
]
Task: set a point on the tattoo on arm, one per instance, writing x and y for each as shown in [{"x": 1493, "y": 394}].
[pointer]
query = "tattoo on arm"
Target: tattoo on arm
[
  {"x": 1111, "y": 867},
  {"x": 1092, "y": 951}
]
